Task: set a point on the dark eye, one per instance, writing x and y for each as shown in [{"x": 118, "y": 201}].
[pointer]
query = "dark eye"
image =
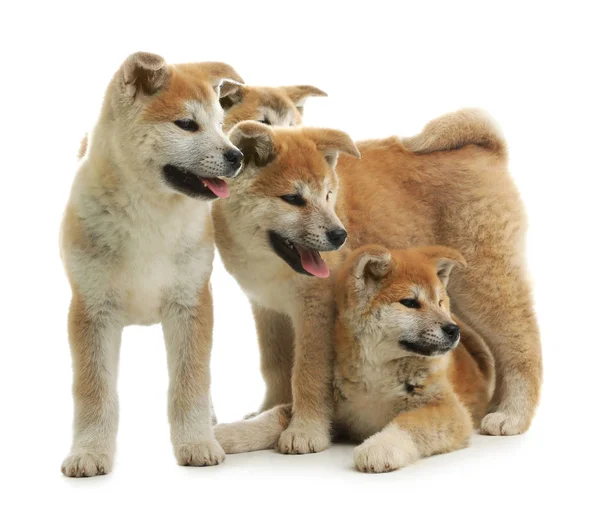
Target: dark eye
[
  {"x": 187, "y": 125},
  {"x": 265, "y": 121},
  {"x": 294, "y": 199},
  {"x": 410, "y": 303},
  {"x": 328, "y": 194}
]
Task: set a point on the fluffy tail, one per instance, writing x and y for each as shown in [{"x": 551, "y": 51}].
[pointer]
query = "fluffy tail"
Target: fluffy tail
[
  {"x": 455, "y": 130},
  {"x": 254, "y": 434},
  {"x": 481, "y": 353}
]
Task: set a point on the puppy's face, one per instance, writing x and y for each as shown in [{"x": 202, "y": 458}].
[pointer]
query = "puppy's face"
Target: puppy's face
[
  {"x": 171, "y": 125},
  {"x": 396, "y": 303},
  {"x": 282, "y": 106},
  {"x": 287, "y": 191}
]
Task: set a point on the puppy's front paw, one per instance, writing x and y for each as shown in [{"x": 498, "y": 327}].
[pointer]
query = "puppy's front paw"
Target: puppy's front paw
[
  {"x": 299, "y": 440},
  {"x": 86, "y": 464},
  {"x": 205, "y": 453},
  {"x": 503, "y": 423},
  {"x": 379, "y": 458}
]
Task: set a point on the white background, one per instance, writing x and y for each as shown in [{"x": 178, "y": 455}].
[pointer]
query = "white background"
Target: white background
[{"x": 388, "y": 69}]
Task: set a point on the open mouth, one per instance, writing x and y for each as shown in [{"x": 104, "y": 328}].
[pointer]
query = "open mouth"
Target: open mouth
[
  {"x": 189, "y": 183},
  {"x": 424, "y": 350},
  {"x": 302, "y": 260}
]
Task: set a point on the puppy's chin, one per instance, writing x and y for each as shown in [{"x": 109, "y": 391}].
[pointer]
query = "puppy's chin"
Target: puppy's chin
[{"x": 424, "y": 349}]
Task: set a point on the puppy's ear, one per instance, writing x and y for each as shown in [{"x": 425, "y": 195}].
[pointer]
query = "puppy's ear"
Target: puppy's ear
[
  {"x": 217, "y": 73},
  {"x": 368, "y": 266},
  {"x": 230, "y": 94},
  {"x": 444, "y": 259},
  {"x": 332, "y": 142},
  {"x": 255, "y": 141},
  {"x": 143, "y": 73},
  {"x": 299, "y": 94}
]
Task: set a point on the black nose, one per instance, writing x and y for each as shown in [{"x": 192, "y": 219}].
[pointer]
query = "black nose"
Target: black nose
[
  {"x": 337, "y": 236},
  {"x": 234, "y": 158},
  {"x": 452, "y": 330}
]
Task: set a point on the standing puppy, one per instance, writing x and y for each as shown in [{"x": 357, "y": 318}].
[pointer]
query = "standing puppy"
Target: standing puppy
[{"x": 137, "y": 244}]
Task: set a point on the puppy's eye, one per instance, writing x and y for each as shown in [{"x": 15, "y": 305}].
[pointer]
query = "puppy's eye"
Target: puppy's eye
[
  {"x": 265, "y": 121},
  {"x": 187, "y": 125},
  {"x": 410, "y": 303},
  {"x": 294, "y": 199},
  {"x": 441, "y": 301},
  {"x": 328, "y": 194}
]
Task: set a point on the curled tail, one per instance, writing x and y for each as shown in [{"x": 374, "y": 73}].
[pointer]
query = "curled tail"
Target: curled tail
[
  {"x": 481, "y": 353},
  {"x": 455, "y": 130},
  {"x": 255, "y": 434}
]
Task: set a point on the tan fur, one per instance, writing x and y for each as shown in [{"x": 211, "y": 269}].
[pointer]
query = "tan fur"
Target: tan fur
[
  {"x": 463, "y": 198},
  {"x": 138, "y": 251},
  {"x": 401, "y": 405}
]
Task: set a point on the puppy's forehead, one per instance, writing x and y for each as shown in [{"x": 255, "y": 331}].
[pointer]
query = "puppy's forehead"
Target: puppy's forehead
[
  {"x": 277, "y": 106},
  {"x": 275, "y": 99},
  {"x": 410, "y": 279},
  {"x": 184, "y": 88}
]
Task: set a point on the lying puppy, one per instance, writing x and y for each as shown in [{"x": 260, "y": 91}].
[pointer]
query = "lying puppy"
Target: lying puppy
[
  {"x": 281, "y": 106},
  {"x": 137, "y": 245},
  {"x": 404, "y": 385}
]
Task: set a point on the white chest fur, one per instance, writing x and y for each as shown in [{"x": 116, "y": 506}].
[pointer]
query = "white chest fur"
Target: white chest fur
[
  {"x": 143, "y": 256},
  {"x": 376, "y": 392}
]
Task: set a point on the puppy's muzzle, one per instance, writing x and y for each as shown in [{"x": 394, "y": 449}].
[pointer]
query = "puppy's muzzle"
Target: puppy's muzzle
[{"x": 233, "y": 159}]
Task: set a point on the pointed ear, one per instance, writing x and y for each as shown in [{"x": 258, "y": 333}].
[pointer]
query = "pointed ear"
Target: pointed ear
[
  {"x": 255, "y": 141},
  {"x": 368, "y": 266},
  {"x": 217, "y": 72},
  {"x": 331, "y": 143},
  {"x": 299, "y": 94},
  {"x": 230, "y": 93},
  {"x": 444, "y": 259},
  {"x": 143, "y": 73}
]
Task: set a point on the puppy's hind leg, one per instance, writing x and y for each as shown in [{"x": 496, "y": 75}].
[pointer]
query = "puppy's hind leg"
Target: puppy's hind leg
[
  {"x": 254, "y": 434},
  {"x": 276, "y": 341},
  {"x": 187, "y": 327},
  {"x": 95, "y": 338}
]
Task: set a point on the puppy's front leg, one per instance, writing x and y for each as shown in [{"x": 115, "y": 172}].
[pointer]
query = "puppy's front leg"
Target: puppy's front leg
[
  {"x": 187, "y": 328},
  {"x": 439, "y": 428},
  {"x": 95, "y": 338},
  {"x": 308, "y": 431}
]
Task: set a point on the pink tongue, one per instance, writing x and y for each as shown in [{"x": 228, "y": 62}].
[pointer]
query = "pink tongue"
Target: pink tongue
[
  {"x": 217, "y": 187},
  {"x": 313, "y": 263}
]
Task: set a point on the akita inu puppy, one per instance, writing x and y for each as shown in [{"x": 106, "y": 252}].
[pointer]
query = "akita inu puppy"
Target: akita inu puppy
[
  {"x": 397, "y": 386},
  {"x": 137, "y": 244},
  {"x": 449, "y": 185}
]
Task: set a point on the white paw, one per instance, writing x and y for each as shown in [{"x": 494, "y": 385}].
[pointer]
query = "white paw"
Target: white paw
[
  {"x": 501, "y": 423},
  {"x": 86, "y": 464},
  {"x": 374, "y": 457},
  {"x": 299, "y": 440},
  {"x": 205, "y": 453}
]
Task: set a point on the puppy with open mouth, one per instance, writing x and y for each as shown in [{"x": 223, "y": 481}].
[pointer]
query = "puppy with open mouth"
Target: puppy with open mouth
[
  {"x": 137, "y": 245},
  {"x": 409, "y": 381}
]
